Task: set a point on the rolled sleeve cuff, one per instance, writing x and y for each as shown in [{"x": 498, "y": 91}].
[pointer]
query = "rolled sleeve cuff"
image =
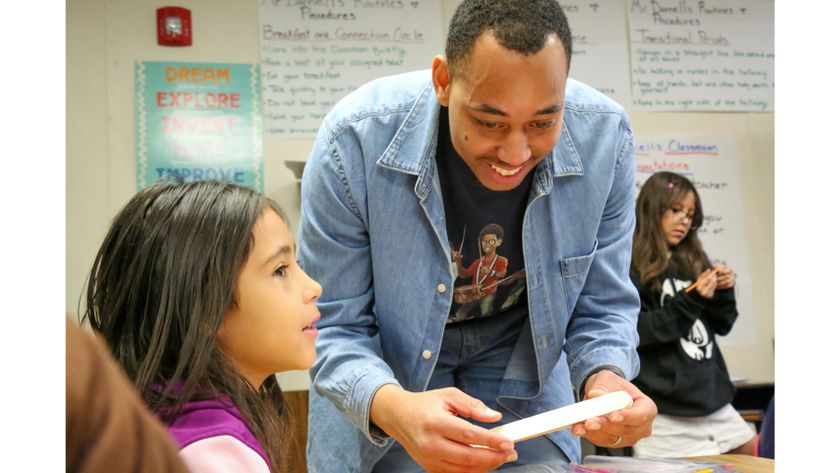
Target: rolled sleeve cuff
[
  {"x": 361, "y": 398},
  {"x": 613, "y": 368},
  {"x": 622, "y": 361}
]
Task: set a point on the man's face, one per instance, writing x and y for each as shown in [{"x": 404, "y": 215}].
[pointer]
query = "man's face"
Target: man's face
[{"x": 505, "y": 109}]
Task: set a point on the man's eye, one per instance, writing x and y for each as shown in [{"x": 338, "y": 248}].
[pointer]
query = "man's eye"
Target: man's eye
[
  {"x": 489, "y": 125},
  {"x": 544, "y": 124}
]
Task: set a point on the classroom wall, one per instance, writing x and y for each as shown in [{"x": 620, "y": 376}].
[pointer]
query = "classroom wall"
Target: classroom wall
[{"x": 105, "y": 38}]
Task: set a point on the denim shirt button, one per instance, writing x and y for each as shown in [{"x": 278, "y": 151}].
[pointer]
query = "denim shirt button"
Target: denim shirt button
[
  {"x": 441, "y": 288},
  {"x": 427, "y": 354}
]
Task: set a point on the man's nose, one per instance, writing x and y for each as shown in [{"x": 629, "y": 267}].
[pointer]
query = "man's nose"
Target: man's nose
[{"x": 515, "y": 150}]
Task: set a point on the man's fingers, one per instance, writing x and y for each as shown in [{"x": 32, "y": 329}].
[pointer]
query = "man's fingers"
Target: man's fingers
[
  {"x": 595, "y": 423},
  {"x": 467, "y": 406},
  {"x": 465, "y": 433},
  {"x": 459, "y": 452},
  {"x": 468, "y": 434},
  {"x": 449, "y": 467}
]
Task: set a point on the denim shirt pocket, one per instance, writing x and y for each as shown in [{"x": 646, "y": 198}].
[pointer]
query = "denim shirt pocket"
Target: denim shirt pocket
[{"x": 574, "y": 271}]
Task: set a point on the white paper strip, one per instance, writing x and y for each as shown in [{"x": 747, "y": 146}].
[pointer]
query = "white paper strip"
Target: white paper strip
[{"x": 563, "y": 417}]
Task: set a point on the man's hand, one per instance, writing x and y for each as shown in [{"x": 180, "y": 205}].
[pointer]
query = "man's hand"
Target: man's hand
[
  {"x": 427, "y": 424},
  {"x": 621, "y": 428}
]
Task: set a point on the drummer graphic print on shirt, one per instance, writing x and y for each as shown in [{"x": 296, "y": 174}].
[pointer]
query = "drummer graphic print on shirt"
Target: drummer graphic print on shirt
[{"x": 484, "y": 276}]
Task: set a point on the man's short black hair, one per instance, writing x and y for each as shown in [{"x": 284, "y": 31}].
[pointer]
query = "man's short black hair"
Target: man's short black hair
[{"x": 519, "y": 25}]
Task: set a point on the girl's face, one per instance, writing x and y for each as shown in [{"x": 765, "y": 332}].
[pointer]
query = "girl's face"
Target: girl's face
[
  {"x": 269, "y": 327},
  {"x": 676, "y": 221}
]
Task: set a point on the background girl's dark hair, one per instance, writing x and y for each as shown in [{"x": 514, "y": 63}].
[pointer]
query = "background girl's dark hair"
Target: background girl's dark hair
[
  {"x": 160, "y": 286},
  {"x": 650, "y": 250}
]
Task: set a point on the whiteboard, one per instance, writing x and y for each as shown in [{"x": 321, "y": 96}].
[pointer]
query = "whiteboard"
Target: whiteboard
[
  {"x": 711, "y": 164},
  {"x": 314, "y": 52}
]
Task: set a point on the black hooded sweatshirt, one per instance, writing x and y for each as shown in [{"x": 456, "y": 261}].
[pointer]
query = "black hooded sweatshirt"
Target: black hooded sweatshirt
[{"x": 682, "y": 368}]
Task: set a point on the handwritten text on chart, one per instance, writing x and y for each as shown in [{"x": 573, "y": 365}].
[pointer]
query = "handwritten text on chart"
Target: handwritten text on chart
[
  {"x": 702, "y": 55},
  {"x": 314, "y": 52},
  {"x": 680, "y": 157},
  {"x": 599, "y": 55},
  {"x": 684, "y": 12},
  {"x": 397, "y": 35}
]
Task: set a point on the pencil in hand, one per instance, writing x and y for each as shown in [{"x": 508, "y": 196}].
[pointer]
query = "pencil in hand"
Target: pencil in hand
[{"x": 694, "y": 286}]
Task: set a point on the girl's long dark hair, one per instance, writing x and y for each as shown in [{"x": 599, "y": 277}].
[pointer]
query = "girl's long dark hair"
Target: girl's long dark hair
[
  {"x": 160, "y": 286},
  {"x": 650, "y": 250}
]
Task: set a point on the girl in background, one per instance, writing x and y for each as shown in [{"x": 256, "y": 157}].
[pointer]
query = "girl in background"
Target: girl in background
[
  {"x": 682, "y": 368},
  {"x": 197, "y": 292}
]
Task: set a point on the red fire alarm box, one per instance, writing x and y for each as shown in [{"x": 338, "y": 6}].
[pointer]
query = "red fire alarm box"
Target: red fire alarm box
[{"x": 174, "y": 26}]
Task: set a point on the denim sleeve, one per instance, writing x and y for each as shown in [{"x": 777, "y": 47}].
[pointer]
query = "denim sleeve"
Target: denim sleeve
[
  {"x": 334, "y": 249},
  {"x": 580, "y": 395},
  {"x": 602, "y": 330}
]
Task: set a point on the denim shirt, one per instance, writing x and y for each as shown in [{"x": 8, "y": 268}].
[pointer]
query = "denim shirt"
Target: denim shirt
[{"x": 373, "y": 234}]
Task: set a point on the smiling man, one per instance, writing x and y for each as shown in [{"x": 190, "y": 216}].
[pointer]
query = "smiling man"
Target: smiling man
[{"x": 405, "y": 173}]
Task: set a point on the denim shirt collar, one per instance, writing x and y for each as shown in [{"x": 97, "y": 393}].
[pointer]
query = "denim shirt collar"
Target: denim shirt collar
[{"x": 401, "y": 153}]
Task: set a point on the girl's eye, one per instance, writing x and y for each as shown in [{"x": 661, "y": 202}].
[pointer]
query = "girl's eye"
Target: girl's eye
[
  {"x": 680, "y": 214},
  {"x": 281, "y": 271}
]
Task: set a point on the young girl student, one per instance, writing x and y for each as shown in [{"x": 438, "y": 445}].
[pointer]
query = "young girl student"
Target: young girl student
[
  {"x": 685, "y": 303},
  {"x": 197, "y": 292}
]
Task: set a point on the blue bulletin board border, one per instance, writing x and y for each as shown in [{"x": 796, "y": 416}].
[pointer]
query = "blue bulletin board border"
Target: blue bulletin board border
[{"x": 198, "y": 121}]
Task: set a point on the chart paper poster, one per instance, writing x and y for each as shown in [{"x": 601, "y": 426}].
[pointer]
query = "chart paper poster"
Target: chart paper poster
[
  {"x": 599, "y": 46},
  {"x": 316, "y": 52},
  {"x": 711, "y": 164},
  {"x": 199, "y": 121},
  {"x": 702, "y": 55}
]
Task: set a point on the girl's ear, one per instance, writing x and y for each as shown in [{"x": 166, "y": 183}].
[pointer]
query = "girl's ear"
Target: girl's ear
[{"x": 441, "y": 79}]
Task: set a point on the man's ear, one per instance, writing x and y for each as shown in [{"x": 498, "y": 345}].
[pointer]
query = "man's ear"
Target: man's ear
[{"x": 441, "y": 79}]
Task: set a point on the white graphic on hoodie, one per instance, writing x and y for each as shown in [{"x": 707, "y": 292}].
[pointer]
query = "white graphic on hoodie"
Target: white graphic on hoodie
[{"x": 697, "y": 344}]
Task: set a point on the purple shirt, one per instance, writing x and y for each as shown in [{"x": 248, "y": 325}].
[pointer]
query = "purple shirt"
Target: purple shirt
[{"x": 210, "y": 418}]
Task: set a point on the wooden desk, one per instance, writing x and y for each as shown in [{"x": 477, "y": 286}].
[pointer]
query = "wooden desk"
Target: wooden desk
[{"x": 742, "y": 463}]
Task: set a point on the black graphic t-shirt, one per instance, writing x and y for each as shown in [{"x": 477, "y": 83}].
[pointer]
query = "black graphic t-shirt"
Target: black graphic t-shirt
[{"x": 485, "y": 237}]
